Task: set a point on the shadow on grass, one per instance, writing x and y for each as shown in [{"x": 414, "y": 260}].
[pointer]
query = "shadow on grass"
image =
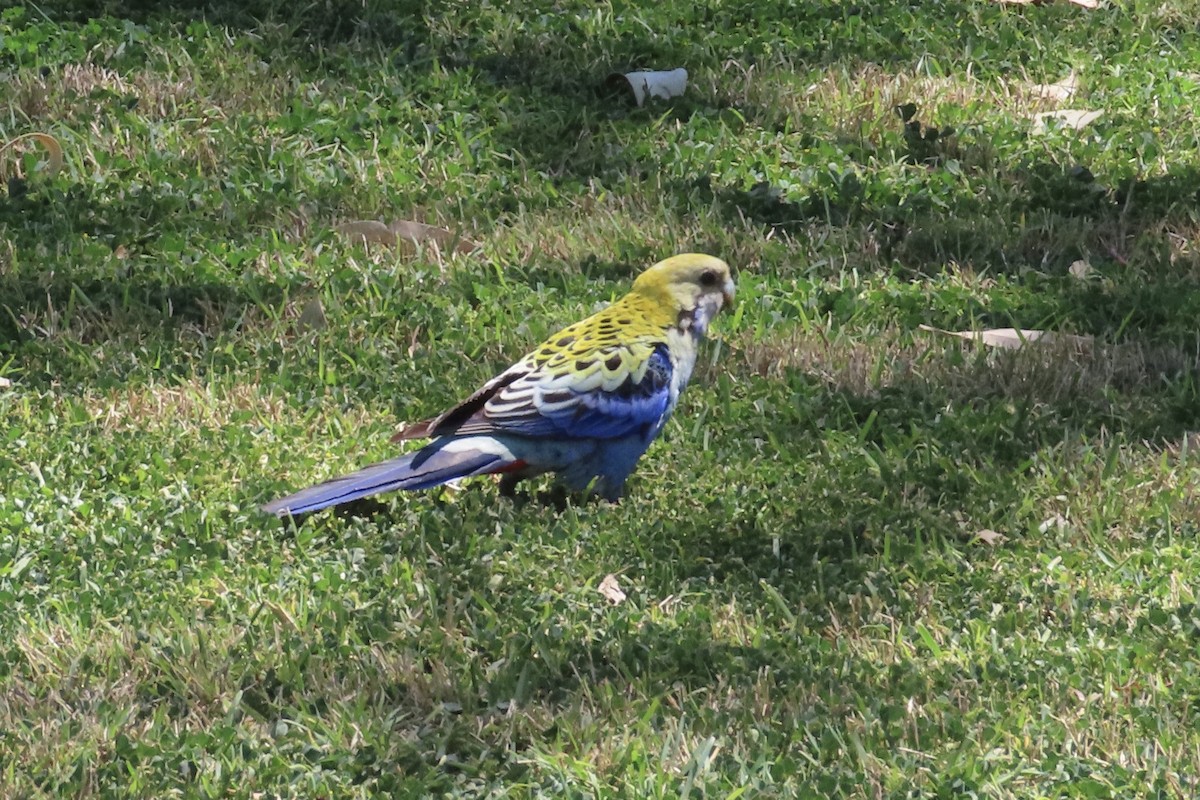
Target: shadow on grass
[
  {"x": 567, "y": 130},
  {"x": 126, "y": 289},
  {"x": 682, "y": 33}
]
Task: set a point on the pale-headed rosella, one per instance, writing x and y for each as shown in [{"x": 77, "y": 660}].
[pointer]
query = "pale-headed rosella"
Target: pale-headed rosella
[{"x": 585, "y": 405}]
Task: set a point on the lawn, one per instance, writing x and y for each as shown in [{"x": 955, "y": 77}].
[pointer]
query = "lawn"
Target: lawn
[{"x": 865, "y": 560}]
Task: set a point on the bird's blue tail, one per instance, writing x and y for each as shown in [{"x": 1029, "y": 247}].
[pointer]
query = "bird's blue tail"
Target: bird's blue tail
[{"x": 429, "y": 466}]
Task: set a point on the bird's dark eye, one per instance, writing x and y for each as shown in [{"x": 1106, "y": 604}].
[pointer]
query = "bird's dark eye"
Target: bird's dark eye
[{"x": 708, "y": 278}]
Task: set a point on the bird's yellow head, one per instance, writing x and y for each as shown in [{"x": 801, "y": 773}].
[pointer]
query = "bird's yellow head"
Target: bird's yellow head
[{"x": 694, "y": 286}]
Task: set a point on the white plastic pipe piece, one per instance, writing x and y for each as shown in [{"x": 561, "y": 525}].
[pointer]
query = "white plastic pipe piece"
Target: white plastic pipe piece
[{"x": 663, "y": 84}]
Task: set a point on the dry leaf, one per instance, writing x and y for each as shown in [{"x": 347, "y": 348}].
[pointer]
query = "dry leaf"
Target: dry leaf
[
  {"x": 1081, "y": 269},
  {"x": 405, "y": 232},
  {"x": 312, "y": 318},
  {"x": 1083, "y": 3},
  {"x": 283, "y": 616},
  {"x": 1057, "y": 91},
  {"x": 53, "y": 163},
  {"x": 5, "y": 382},
  {"x": 419, "y": 232},
  {"x": 989, "y": 537},
  {"x": 1073, "y": 119},
  {"x": 367, "y": 230},
  {"x": 611, "y": 589},
  {"x": 1056, "y": 521},
  {"x": 1015, "y": 338}
]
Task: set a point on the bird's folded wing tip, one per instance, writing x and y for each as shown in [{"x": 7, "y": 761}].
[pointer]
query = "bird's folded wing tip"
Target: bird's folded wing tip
[{"x": 413, "y": 430}]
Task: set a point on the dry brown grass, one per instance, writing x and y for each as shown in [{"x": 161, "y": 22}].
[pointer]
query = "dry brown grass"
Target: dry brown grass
[
  {"x": 592, "y": 224},
  {"x": 864, "y": 98},
  {"x": 190, "y": 407},
  {"x": 1053, "y": 373},
  {"x": 72, "y": 693}
]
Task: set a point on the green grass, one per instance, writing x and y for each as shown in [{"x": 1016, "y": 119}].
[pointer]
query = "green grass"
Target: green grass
[{"x": 810, "y": 611}]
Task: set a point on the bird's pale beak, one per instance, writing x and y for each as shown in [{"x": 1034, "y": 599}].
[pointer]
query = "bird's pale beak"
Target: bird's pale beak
[{"x": 727, "y": 292}]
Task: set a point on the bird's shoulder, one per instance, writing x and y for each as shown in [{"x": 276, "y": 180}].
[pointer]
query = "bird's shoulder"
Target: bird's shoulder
[{"x": 620, "y": 338}]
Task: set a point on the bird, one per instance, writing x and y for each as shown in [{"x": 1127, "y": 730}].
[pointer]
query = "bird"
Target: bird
[{"x": 585, "y": 404}]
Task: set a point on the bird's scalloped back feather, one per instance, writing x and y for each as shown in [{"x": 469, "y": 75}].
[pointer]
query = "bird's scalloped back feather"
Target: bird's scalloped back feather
[
  {"x": 630, "y": 398},
  {"x": 450, "y": 419}
]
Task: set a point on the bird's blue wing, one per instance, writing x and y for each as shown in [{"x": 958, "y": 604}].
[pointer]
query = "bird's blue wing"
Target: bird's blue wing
[{"x": 540, "y": 404}]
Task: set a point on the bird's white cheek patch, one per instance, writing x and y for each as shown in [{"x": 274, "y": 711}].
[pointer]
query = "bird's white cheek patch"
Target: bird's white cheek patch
[
  {"x": 683, "y": 351},
  {"x": 705, "y": 311}
]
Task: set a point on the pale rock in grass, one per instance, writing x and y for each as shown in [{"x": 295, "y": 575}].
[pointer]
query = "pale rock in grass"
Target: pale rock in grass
[
  {"x": 1060, "y": 90},
  {"x": 611, "y": 589},
  {"x": 1081, "y": 269},
  {"x": 1067, "y": 119},
  {"x": 990, "y": 537}
]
